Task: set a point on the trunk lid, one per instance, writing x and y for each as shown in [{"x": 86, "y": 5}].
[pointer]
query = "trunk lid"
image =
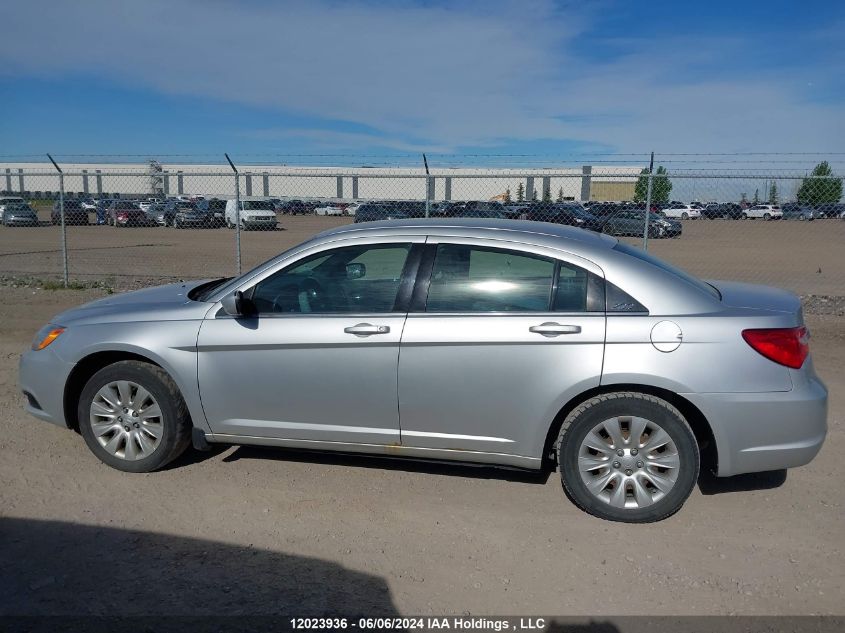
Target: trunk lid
[{"x": 757, "y": 297}]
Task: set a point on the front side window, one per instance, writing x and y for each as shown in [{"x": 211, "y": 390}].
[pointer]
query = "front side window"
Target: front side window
[
  {"x": 353, "y": 279},
  {"x": 478, "y": 279}
]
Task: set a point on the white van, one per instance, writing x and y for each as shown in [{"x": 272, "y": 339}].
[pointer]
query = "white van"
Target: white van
[{"x": 255, "y": 213}]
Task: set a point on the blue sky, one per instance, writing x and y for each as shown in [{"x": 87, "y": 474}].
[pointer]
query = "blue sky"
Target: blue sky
[{"x": 383, "y": 80}]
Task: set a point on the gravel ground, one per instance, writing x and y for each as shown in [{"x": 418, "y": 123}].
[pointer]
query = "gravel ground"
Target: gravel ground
[{"x": 271, "y": 531}]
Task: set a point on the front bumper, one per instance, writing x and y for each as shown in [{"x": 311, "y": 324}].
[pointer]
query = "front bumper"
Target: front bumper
[
  {"x": 42, "y": 378},
  {"x": 756, "y": 432},
  {"x": 13, "y": 221}
]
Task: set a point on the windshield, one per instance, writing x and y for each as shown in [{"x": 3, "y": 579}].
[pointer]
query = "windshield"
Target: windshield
[
  {"x": 257, "y": 205},
  {"x": 654, "y": 261}
]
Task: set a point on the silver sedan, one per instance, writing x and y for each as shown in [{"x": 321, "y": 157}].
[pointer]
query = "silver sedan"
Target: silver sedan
[{"x": 517, "y": 344}]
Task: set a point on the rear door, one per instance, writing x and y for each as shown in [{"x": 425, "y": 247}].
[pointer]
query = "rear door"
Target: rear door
[{"x": 496, "y": 342}]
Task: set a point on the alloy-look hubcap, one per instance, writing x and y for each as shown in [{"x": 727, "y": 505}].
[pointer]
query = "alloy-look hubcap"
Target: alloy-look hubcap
[
  {"x": 628, "y": 462},
  {"x": 126, "y": 420}
]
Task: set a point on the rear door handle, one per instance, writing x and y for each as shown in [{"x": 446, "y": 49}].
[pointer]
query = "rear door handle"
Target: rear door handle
[
  {"x": 367, "y": 329},
  {"x": 554, "y": 329}
]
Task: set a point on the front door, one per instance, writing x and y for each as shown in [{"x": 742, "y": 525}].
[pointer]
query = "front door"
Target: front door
[
  {"x": 319, "y": 360},
  {"x": 500, "y": 341}
]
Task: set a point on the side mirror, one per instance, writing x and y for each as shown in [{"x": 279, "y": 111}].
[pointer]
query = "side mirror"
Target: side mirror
[
  {"x": 355, "y": 271},
  {"x": 235, "y": 304}
]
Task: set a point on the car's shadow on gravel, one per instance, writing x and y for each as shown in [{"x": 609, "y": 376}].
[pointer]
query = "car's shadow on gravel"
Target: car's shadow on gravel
[
  {"x": 709, "y": 484},
  {"x": 386, "y": 462},
  {"x": 61, "y": 568}
]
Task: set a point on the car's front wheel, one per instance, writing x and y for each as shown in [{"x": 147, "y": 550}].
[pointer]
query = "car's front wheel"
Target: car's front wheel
[
  {"x": 133, "y": 417},
  {"x": 628, "y": 457}
]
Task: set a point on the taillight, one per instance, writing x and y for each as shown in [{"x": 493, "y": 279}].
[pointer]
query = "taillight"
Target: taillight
[{"x": 786, "y": 346}]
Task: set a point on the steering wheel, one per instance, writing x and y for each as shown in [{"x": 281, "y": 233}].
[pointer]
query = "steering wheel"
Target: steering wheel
[{"x": 307, "y": 296}]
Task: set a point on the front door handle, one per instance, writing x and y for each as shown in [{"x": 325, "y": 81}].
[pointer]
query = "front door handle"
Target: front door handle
[
  {"x": 367, "y": 329},
  {"x": 554, "y": 329}
]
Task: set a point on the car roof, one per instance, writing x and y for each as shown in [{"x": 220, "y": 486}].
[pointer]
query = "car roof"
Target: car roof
[{"x": 517, "y": 230}]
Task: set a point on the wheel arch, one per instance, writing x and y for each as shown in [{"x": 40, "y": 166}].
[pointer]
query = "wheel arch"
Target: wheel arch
[
  {"x": 693, "y": 415},
  {"x": 82, "y": 372}
]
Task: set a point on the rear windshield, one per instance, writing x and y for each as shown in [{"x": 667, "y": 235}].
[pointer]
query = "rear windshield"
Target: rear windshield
[{"x": 654, "y": 261}]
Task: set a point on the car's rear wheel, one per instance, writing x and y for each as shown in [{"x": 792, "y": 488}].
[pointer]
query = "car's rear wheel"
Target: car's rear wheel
[
  {"x": 133, "y": 417},
  {"x": 685, "y": 216},
  {"x": 628, "y": 457},
  {"x": 767, "y": 216}
]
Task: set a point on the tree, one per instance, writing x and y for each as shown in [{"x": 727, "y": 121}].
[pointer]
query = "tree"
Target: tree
[
  {"x": 773, "y": 193},
  {"x": 507, "y": 197},
  {"x": 756, "y": 197},
  {"x": 821, "y": 187},
  {"x": 661, "y": 186},
  {"x": 560, "y": 195},
  {"x": 534, "y": 195},
  {"x": 520, "y": 193},
  {"x": 547, "y": 194}
]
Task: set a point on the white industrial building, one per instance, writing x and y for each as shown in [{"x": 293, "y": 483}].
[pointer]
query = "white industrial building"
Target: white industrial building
[{"x": 347, "y": 183}]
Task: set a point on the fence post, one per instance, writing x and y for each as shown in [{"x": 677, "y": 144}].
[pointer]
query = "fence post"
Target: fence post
[
  {"x": 427, "y": 188},
  {"x": 237, "y": 213},
  {"x": 648, "y": 202},
  {"x": 62, "y": 215}
]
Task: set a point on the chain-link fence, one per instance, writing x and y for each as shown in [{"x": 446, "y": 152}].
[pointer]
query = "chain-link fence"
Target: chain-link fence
[{"x": 128, "y": 226}]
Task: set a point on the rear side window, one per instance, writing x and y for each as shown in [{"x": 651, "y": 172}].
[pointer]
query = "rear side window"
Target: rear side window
[
  {"x": 477, "y": 279},
  {"x": 659, "y": 263}
]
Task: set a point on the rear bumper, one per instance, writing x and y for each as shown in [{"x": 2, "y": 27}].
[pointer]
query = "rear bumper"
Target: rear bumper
[{"x": 756, "y": 432}]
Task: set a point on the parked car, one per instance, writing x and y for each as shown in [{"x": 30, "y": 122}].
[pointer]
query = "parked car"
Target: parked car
[
  {"x": 682, "y": 212},
  {"x": 462, "y": 209},
  {"x": 4, "y": 200},
  {"x": 373, "y": 212},
  {"x": 254, "y": 213},
  {"x": 724, "y": 210},
  {"x": 795, "y": 211},
  {"x": 294, "y": 207},
  {"x": 329, "y": 209},
  {"x": 829, "y": 210},
  {"x": 192, "y": 217},
  {"x": 126, "y": 213},
  {"x": 75, "y": 213},
  {"x": 157, "y": 213},
  {"x": 352, "y": 209},
  {"x": 571, "y": 213},
  {"x": 18, "y": 214},
  {"x": 102, "y": 209},
  {"x": 631, "y": 222},
  {"x": 145, "y": 204},
  {"x": 633, "y": 375},
  {"x": 216, "y": 207},
  {"x": 172, "y": 206},
  {"x": 762, "y": 211}
]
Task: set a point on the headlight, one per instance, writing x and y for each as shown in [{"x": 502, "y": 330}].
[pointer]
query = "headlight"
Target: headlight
[{"x": 46, "y": 335}]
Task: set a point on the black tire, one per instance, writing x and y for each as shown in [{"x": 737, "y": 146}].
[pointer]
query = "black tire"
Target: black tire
[
  {"x": 175, "y": 417},
  {"x": 767, "y": 216},
  {"x": 592, "y": 412}
]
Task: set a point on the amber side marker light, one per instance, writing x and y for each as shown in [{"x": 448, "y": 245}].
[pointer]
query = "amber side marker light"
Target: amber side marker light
[{"x": 46, "y": 336}]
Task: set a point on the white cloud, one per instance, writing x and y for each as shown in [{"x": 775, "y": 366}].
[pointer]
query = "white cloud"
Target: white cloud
[{"x": 469, "y": 76}]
